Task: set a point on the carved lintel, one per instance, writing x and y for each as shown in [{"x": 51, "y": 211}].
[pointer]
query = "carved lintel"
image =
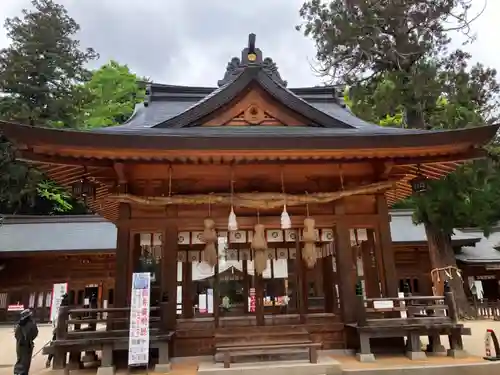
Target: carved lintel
[{"x": 383, "y": 170}]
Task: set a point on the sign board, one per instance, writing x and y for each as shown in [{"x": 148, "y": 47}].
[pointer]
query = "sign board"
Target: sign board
[
  {"x": 492, "y": 267},
  {"x": 389, "y": 304},
  {"x": 486, "y": 277},
  {"x": 138, "y": 347},
  {"x": 402, "y": 304},
  {"x": 210, "y": 301},
  {"x": 16, "y": 307},
  {"x": 202, "y": 303},
  {"x": 58, "y": 290}
]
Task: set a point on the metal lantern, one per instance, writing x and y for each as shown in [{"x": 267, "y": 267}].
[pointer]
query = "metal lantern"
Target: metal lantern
[
  {"x": 419, "y": 184},
  {"x": 83, "y": 188}
]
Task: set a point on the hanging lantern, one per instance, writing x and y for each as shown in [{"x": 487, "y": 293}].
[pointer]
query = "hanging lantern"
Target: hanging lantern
[
  {"x": 83, "y": 188},
  {"x": 419, "y": 183},
  {"x": 232, "y": 223},
  {"x": 286, "y": 223}
]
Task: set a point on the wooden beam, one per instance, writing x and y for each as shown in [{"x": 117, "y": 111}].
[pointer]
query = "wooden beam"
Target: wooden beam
[
  {"x": 169, "y": 269},
  {"x": 39, "y": 157},
  {"x": 345, "y": 265},
  {"x": 122, "y": 258},
  {"x": 385, "y": 243}
]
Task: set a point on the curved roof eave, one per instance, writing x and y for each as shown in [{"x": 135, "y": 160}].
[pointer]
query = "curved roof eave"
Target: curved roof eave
[
  {"x": 245, "y": 138},
  {"x": 223, "y": 95}
]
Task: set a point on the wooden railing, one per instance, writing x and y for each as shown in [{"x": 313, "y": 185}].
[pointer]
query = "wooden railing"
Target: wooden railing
[
  {"x": 116, "y": 321},
  {"x": 73, "y": 339},
  {"x": 486, "y": 309},
  {"x": 433, "y": 308}
]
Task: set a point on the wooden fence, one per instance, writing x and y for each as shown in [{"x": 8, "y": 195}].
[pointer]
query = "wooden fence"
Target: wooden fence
[{"x": 486, "y": 309}]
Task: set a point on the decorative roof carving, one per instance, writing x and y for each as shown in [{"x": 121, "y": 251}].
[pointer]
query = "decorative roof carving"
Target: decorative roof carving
[{"x": 251, "y": 56}]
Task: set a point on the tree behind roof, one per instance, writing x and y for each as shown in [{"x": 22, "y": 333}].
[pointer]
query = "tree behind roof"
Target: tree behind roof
[
  {"x": 41, "y": 76},
  {"x": 393, "y": 55}
]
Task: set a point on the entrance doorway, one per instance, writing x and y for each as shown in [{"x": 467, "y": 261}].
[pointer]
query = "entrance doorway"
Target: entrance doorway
[{"x": 91, "y": 296}]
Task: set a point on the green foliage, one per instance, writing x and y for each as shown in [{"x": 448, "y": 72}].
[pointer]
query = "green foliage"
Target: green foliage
[
  {"x": 114, "y": 92},
  {"x": 356, "y": 39},
  {"x": 41, "y": 69},
  {"x": 41, "y": 76},
  {"x": 59, "y": 197},
  {"x": 394, "y": 58}
]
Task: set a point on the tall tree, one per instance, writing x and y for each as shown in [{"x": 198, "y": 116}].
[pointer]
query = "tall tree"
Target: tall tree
[
  {"x": 114, "y": 91},
  {"x": 41, "y": 75},
  {"x": 394, "y": 56}
]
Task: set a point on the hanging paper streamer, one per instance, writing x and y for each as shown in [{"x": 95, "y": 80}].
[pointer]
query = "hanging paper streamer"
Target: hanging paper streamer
[
  {"x": 232, "y": 223},
  {"x": 286, "y": 223}
]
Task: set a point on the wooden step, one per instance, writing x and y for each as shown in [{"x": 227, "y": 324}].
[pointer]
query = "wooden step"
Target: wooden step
[
  {"x": 261, "y": 344},
  {"x": 262, "y": 334}
]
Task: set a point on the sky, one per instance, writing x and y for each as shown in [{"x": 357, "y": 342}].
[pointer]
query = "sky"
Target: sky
[{"x": 190, "y": 42}]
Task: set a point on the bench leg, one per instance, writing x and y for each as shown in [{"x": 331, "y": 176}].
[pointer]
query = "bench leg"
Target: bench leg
[
  {"x": 456, "y": 345},
  {"x": 59, "y": 361},
  {"x": 163, "y": 365},
  {"x": 106, "y": 367},
  {"x": 414, "y": 352},
  {"x": 90, "y": 356},
  {"x": 75, "y": 362},
  {"x": 365, "y": 353},
  {"x": 435, "y": 347},
  {"x": 313, "y": 354},
  {"x": 227, "y": 360}
]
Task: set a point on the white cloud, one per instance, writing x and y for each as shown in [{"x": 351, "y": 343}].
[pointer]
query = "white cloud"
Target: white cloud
[{"x": 191, "y": 41}]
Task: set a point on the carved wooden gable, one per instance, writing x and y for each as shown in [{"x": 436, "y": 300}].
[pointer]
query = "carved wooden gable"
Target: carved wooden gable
[{"x": 255, "y": 108}]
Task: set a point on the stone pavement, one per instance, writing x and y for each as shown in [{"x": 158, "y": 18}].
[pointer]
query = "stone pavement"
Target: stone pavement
[
  {"x": 473, "y": 344},
  {"x": 8, "y": 348}
]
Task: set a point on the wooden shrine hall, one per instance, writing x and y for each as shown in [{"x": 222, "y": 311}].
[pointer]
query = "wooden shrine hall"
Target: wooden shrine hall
[{"x": 252, "y": 204}]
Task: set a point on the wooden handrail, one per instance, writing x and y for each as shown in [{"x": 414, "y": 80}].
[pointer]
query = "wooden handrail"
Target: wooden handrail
[
  {"x": 410, "y": 305},
  {"x": 107, "y": 310},
  {"x": 416, "y": 298}
]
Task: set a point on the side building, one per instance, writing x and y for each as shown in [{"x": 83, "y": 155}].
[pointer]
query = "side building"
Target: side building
[{"x": 39, "y": 251}]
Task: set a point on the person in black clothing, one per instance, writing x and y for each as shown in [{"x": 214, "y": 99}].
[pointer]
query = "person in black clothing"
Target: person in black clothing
[
  {"x": 25, "y": 333},
  {"x": 64, "y": 302}
]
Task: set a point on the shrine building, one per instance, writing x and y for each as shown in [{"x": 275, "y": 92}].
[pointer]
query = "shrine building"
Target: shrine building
[{"x": 251, "y": 203}]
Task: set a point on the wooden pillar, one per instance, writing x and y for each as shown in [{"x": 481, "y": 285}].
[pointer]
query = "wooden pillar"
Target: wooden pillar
[
  {"x": 259, "y": 299},
  {"x": 187, "y": 282},
  {"x": 169, "y": 270},
  {"x": 328, "y": 288},
  {"x": 122, "y": 256},
  {"x": 216, "y": 293},
  {"x": 370, "y": 269},
  {"x": 347, "y": 287},
  {"x": 300, "y": 280},
  {"x": 385, "y": 243},
  {"x": 246, "y": 283}
]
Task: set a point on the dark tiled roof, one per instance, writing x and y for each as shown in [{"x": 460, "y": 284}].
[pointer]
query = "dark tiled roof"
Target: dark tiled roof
[
  {"x": 56, "y": 233},
  {"x": 171, "y": 106}
]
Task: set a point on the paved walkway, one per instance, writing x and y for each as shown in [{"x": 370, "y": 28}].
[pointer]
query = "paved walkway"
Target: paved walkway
[{"x": 473, "y": 344}]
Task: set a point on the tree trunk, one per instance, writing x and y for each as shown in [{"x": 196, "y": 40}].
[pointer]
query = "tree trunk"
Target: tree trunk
[{"x": 441, "y": 256}]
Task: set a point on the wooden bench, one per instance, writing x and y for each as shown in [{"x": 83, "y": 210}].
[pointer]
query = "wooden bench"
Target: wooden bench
[
  {"x": 106, "y": 345},
  {"x": 410, "y": 317},
  {"x": 263, "y": 348},
  {"x": 413, "y": 334}
]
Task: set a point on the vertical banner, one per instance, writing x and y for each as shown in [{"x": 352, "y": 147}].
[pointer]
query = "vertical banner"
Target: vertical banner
[
  {"x": 58, "y": 290},
  {"x": 251, "y": 304},
  {"x": 138, "y": 347}
]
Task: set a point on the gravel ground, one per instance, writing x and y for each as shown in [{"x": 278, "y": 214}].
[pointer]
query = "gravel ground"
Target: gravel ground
[{"x": 473, "y": 344}]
